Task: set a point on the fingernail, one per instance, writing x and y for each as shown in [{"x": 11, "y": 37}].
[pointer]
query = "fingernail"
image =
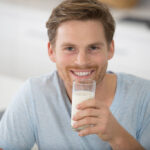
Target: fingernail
[
  {"x": 80, "y": 134},
  {"x": 74, "y": 118},
  {"x": 74, "y": 125}
]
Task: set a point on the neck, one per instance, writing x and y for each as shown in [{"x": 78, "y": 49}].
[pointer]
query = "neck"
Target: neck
[{"x": 105, "y": 91}]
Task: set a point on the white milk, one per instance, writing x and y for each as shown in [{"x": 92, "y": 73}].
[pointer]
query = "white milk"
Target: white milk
[{"x": 78, "y": 97}]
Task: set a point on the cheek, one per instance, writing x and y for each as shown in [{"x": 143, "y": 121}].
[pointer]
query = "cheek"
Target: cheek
[
  {"x": 63, "y": 61},
  {"x": 100, "y": 60}
]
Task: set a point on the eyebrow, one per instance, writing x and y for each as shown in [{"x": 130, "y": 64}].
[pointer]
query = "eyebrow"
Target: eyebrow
[
  {"x": 71, "y": 44},
  {"x": 67, "y": 44},
  {"x": 96, "y": 43}
]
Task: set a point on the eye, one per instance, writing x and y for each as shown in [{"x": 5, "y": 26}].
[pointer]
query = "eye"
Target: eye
[
  {"x": 94, "y": 47},
  {"x": 69, "y": 48}
]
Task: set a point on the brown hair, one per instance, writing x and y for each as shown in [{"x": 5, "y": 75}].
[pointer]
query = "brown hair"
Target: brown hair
[{"x": 80, "y": 10}]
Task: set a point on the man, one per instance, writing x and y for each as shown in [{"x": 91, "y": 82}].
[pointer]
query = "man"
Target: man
[{"x": 80, "y": 43}]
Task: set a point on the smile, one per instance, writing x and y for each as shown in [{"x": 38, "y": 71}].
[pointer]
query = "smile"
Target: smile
[{"x": 82, "y": 73}]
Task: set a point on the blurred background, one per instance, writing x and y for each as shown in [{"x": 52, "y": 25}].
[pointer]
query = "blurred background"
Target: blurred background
[{"x": 23, "y": 41}]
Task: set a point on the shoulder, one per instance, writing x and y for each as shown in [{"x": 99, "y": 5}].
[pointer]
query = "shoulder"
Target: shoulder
[
  {"x": 132, "y": 81},
  {"x": 134, "y": 89},
  {"x": 44, "y": 81},
  {"x": 38, "y": 86},
  {"x": 136, "y": 93}
]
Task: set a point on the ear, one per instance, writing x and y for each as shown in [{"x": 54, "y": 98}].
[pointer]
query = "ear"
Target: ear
[
  {"x": 111, "y": 50},
  {"x": 51, "y": 52}
]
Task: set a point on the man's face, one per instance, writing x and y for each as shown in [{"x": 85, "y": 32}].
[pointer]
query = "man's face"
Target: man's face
[{"x": 81, "y": 51}]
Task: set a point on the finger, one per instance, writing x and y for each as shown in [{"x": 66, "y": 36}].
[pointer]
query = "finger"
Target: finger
[
  {"x": 89, "y": 112},
  {"x": 90, "y": 103},
  {"x": 86, "y": 104},
  {"x": 85, "y": 121},
  {"x": 89, "y": 130}
]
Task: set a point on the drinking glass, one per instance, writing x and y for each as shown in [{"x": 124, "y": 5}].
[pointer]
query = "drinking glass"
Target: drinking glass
[{"x": 82, "y": 90}]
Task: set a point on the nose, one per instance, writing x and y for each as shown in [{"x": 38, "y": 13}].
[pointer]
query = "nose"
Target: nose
[{"x": 82, "y": 58}]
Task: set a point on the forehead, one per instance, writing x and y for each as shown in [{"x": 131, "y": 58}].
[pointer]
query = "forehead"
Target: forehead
[{"x": 80, "y": 31}]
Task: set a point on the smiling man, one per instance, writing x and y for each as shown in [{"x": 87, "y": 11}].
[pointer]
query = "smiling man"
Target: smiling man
[{"x": 81, "y": 44}]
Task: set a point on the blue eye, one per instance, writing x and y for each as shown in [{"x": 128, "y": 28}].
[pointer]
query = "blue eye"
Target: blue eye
[{"x": 70, "y": 48}]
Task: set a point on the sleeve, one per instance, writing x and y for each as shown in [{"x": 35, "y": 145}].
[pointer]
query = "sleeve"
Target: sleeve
[
  {"x": 16, "y": 126},
  {"x": 144, "y": 132}
]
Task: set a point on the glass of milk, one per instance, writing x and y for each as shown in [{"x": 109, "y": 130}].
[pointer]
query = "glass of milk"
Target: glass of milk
[{"x": 82, "y": 90}]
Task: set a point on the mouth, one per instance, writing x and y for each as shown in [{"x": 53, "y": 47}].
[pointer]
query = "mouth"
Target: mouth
[{"x": 82, "y": 73}]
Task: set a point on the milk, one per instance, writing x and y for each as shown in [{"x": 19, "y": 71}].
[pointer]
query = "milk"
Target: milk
[{"x": 78, "y": 97}]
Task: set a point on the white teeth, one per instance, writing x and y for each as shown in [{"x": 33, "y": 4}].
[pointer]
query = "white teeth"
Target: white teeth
[{"x": 82, "y": 73}]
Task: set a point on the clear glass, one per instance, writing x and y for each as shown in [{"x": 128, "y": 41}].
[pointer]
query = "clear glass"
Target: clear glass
[{"x": 82, "y": 90}]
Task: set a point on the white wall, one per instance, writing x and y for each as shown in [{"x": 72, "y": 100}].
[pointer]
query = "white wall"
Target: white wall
[{"x": 23, "y": 41}]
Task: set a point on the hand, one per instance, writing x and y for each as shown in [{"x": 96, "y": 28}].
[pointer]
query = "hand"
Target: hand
[
  {"x": 93, "y": 112},
  {"x": 103, "y": 123}
]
